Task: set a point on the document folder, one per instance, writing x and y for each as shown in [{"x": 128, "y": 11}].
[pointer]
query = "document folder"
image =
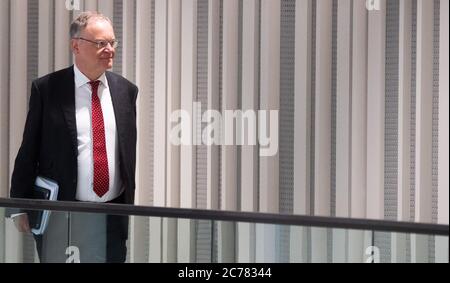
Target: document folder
[{"x": 44, "y": 189}]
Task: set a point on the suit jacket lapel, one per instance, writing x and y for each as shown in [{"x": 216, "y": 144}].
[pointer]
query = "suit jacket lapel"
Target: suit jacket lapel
[
  {"x": 119, "y": 105},
  {"x": 66, "y": 94}
]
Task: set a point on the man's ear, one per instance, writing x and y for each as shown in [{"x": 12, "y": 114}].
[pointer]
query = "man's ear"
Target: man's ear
[{"x": 74, "y": 46}]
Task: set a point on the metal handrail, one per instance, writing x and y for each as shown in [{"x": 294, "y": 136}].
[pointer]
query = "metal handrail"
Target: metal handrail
[{"x": 232, "y": 216}]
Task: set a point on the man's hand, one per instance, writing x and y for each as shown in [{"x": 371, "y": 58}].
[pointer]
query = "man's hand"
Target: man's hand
[{"x": 22, "y": 224}]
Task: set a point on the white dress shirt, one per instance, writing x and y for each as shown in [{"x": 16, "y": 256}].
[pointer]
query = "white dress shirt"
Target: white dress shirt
[{"x": 83, "y": 112}]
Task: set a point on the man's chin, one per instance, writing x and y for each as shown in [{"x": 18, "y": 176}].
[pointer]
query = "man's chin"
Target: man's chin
[{"x": 107, "y": 64}]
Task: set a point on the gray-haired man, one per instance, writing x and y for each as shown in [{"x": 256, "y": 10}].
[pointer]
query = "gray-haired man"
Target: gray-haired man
[{"x": 81, "y": 132}]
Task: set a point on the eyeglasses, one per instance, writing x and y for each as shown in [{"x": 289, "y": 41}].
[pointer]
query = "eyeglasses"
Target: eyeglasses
[{"x": 101, "y": 43}]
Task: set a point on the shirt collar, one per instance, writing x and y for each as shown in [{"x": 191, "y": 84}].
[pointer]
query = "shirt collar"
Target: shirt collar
[{"x": 81, "y": 79}]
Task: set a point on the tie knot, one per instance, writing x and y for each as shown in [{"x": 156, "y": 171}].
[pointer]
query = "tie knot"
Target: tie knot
[{"x": 94, "y": 84}]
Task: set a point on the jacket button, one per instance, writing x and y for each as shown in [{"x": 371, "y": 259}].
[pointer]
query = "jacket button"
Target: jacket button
[{"x": 74, "y": 181}]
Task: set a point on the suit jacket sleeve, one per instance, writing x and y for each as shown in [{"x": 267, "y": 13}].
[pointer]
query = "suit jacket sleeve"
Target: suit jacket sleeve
[{"x": 26, "y": 164}]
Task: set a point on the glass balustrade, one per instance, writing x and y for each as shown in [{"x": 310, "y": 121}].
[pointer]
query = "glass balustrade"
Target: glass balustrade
[{"x": 93, "y": 237}]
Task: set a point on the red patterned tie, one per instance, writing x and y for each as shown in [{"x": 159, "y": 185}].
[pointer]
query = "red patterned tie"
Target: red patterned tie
[{"x": 101, "y": 171}]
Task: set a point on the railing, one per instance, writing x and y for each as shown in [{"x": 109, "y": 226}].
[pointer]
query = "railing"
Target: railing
[
  {"x": 235, "y": 216},
  {"x": 81, "y": 232}
]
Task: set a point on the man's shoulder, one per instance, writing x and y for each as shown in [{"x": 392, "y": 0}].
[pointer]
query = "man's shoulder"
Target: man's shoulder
[
  {"x": 58, "y": 76},
  {"x": 116, "y": 78}
]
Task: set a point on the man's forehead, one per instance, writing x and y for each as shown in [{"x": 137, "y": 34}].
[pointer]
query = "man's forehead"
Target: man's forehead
[{"x": 98, "y": 25}]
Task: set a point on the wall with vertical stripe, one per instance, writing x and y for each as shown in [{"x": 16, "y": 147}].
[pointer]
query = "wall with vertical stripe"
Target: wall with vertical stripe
[{"x": 362, "y": 96}]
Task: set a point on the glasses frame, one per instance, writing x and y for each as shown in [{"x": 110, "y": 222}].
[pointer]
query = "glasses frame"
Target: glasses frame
[{"x": 101, "y": 44}]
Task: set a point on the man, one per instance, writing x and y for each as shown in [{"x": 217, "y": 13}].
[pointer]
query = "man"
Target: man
[{"x": 81, "y": 131}]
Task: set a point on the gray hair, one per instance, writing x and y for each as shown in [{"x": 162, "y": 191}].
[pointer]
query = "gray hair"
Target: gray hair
[{"x": 80, "y": 23}]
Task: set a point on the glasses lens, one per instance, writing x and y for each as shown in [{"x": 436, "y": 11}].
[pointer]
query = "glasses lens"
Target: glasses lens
[{"x": 104, "y": 44}]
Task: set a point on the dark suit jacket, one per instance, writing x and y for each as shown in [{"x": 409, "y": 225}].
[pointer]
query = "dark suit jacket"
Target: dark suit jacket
[{"x": 49, "y": 146}]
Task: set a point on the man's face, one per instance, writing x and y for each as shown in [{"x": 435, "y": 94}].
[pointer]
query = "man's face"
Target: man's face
[{"x": 94, "y": 59}]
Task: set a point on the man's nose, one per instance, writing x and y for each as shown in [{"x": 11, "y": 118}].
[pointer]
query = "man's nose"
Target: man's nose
[
  {"x": 110, "y": 46},
  {"x": 109, "y": 49}
]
